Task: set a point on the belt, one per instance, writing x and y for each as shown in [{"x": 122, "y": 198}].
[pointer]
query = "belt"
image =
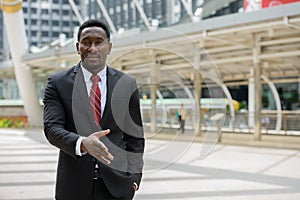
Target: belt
[{"x": 97, "y": 174}]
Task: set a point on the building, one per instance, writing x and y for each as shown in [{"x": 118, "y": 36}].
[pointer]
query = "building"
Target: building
[
  {"x": 126, "y": 15},
  {"x": 219, "y": 8},
  {"x": 44, "y": 20}
]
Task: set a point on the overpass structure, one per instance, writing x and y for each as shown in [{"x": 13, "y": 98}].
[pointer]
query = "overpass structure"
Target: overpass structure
[{"x": 237, "y": 49}]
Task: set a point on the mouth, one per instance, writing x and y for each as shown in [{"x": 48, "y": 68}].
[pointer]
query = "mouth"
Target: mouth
[{"x": 92, "y": 58}]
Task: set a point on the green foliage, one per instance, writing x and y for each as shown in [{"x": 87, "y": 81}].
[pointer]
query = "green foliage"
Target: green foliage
[
  {"x": 243, "y": 105},
  {"x": 13, "y": 122}
]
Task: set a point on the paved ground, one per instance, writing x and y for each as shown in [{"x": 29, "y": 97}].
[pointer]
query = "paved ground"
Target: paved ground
[{"x": 173, "y": 170}]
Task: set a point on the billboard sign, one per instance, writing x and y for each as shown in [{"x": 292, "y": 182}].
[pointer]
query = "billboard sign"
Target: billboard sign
[
  {"x": 272, "y": 3},
  {"x": 253, "y": 5}
]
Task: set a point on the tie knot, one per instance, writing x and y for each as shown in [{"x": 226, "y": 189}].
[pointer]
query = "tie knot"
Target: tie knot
[{"x": 95, "y": 79}]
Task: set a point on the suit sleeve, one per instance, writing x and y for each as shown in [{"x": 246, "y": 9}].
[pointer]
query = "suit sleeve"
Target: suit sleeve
[
  {"x": 135, "y": 141},
  {"x": 55, "y": 119}
]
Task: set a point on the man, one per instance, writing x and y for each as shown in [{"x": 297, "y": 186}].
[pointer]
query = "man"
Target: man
[
  {"x": 183, "y": 115},
  {"x": 92, "y": 114}
]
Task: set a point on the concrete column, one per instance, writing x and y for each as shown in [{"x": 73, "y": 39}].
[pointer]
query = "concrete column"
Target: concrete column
[
  {"x": 198, "y": 93},
  {"x": 197, "y": 89},
  {"x": 153, "y": 88},
  {"x": 251, "y": 99},
  {"x": 257, "y": 88},
  {"x": 15, "y": 27}
]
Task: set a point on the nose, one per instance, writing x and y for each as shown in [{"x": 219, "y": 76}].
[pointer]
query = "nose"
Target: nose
[{"x": 92, "y": 47}]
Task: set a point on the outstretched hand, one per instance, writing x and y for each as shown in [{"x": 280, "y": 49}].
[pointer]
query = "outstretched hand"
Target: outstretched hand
[{"x": 96, "y": 148}]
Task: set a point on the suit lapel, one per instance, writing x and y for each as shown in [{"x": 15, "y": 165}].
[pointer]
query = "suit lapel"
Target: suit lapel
[
  {"x": 82, "y": 112},
  {"x": 111, "y": 82}
]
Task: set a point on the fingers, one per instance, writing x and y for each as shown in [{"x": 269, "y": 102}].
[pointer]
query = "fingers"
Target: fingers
[
  {"x": 96, "y": 148},
  {"x": 99, "y": 134},
  {"x": 102, "y": 153},
  {"x": 104, "y": 160}
]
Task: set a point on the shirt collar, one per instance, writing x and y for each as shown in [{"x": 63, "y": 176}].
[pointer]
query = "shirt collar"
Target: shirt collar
[{"x": 87, "y": 75}]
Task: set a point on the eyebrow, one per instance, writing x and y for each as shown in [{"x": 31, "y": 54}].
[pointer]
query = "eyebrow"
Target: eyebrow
[{"x": 97, "y": 38}]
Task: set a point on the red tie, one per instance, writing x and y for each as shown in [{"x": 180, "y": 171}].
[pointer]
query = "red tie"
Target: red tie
[{"x": 95, "y": 98}]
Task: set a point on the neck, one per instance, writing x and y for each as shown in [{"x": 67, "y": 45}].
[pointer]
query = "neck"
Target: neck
[{"x": 94, "y": 69}]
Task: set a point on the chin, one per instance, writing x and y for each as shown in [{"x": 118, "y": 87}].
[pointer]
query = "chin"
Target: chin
[{"x": 92, "y": 66}]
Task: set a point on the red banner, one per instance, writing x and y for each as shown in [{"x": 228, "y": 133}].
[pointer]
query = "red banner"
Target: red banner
[{"x": 272, "y": 3}]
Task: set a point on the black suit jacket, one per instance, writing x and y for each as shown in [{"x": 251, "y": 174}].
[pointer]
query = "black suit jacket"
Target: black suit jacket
[{"x": 67, "y": 115}]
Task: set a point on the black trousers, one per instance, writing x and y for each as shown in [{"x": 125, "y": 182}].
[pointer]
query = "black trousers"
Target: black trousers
[{"x": 100, "y": 192}]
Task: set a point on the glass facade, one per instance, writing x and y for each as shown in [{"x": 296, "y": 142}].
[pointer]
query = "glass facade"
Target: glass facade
[
  {"x": 125, "y": 14},
  {"x": 45, "y": 20}
]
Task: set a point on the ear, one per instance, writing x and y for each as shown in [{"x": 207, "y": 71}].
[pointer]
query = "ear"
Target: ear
[
  {"x": 110, "y": 47},
  {"x": 77, "y": 48}
]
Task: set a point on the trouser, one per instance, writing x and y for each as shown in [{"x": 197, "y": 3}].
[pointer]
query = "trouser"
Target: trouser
[
  {"x": 182, "y": 124},
  {"x": 100, "y": 192}
]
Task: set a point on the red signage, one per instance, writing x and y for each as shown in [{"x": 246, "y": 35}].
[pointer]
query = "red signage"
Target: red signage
[{"x": 272, "y": 3}]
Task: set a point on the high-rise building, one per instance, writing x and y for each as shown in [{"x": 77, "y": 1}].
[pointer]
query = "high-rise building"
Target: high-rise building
[
  {"x": 44, "y": 20},
  {"x": 126, "y": 15},
  {"x": 3, "y": 52},
  {"x": 218, "y": 8}
]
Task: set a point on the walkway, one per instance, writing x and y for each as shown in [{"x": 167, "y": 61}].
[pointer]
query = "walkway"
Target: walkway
[{"x": 173, "y": 170}]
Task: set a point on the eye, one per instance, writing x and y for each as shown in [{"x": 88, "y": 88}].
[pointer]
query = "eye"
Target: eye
[
  {"x": 98, "y": 42},
  {"x": 85, "y": 43}
]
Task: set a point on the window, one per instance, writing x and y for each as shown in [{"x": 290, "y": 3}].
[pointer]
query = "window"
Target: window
[
  {"x": 111, "y": 11},
  {"x": 45, "y": 23},
  {"x": 45, "y": 11},
  {"x": 33, "y": 10},
  {"x": 45, "y": 33},
  {"x": 55, "y": 12},
  {"x": 76, "y": 23},
  {"x": 34, "y": 22},
  {"x": 55, "y": 34},
  {"x": 118, "y": 9},
  {"x": 65, "y": 24},
  {"x": 33, "y": 33},
  {"x": 55, "y": 23},
  {"x": 65, "y": 12},
  {"x": 125, "y": 6}
]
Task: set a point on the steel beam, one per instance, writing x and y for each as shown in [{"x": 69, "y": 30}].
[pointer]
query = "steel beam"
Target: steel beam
[
  {"x": 75, "y": 10},
  {"x": 142, "y": 13},
  {"x": 107, "y": 17}
]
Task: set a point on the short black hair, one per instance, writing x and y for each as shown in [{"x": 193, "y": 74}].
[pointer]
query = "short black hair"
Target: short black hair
[{"x": 93, "y": 23}]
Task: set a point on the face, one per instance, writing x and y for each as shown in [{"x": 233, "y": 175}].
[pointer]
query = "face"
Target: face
[{"x": 93, "y": 47}]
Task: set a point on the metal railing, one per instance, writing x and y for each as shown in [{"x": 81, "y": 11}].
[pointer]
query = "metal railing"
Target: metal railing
[{"x": 290, "y": 121}]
